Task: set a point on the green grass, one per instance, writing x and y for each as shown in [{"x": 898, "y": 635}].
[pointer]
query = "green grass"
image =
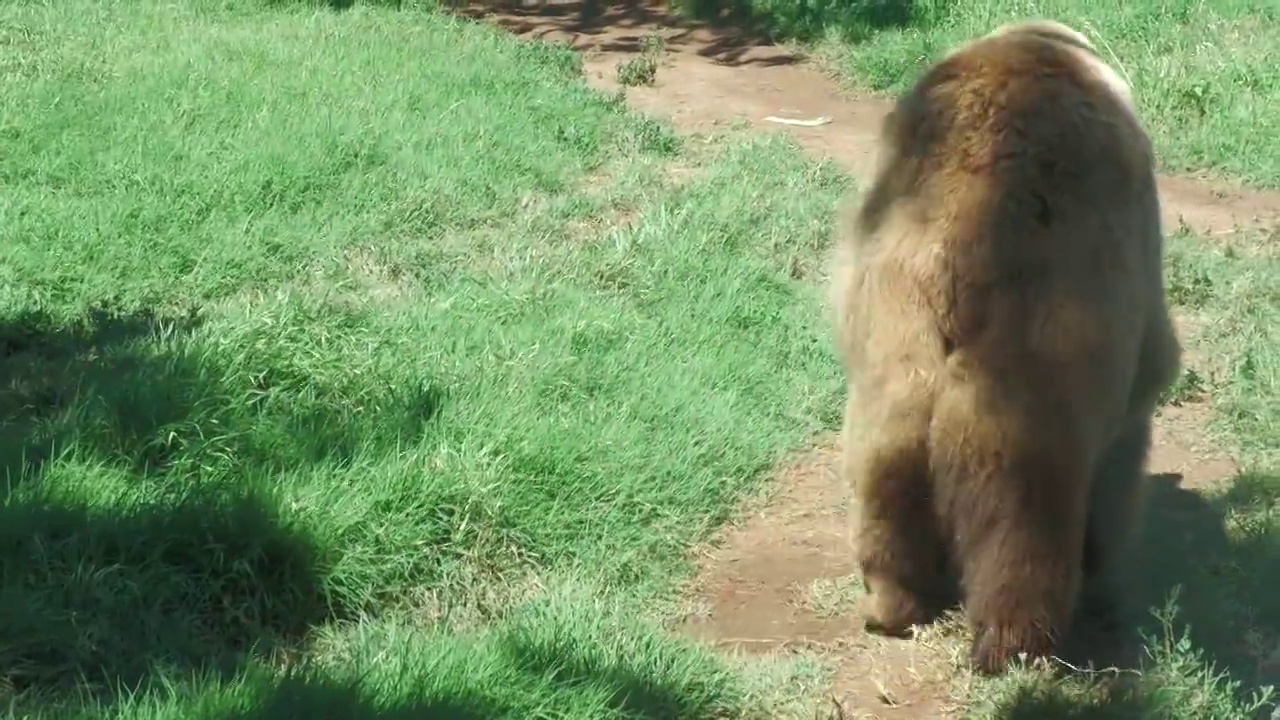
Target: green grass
[
  {"x": 564, "y": 656},
  {"x": 325, "y": 372},
  {"x": 1203, "y": 71},
  {"x": 366, "y": 364}
]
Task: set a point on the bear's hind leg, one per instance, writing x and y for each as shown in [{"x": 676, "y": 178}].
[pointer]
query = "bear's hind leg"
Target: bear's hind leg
[
  {"x": 899, "y": 548},
  {"x": 1019, "y": 489}
]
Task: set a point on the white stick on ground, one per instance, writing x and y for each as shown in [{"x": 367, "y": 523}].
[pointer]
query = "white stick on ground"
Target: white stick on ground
[{"x": 815, "y": 122}]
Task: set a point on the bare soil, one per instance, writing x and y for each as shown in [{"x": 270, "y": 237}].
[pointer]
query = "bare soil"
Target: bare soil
[{"x": 782, "y": 578}]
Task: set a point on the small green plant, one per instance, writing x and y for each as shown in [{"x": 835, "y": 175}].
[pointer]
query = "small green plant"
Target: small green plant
[
  {"x": 641, "y": 70},
  {"x": 1189, "y": 386},
  {"x": 653, "y": 44}
]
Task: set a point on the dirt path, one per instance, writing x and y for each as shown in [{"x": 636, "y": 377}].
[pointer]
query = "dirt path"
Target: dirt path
[{"x": 783, "y": 577}]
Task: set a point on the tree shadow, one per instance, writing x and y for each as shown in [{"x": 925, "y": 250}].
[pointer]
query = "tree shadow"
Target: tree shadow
[
  {"x": 335, "y": 5},
  {"x": 96, "y": 598},
  {"x": 626, "y": 28},
  {"x": 806, "y": 20},
  {"x": 1045, "y": 702},
  {"x": 44, "y": 362},
  {"x": 633, "y": 692},
  {"x": 541, "y": 671},
  {"x": 134, "y": 392},
  {"x": 730, "y": 32},
  {"x": 318, "y": 698},
  {"x": 140, "y": 527}
]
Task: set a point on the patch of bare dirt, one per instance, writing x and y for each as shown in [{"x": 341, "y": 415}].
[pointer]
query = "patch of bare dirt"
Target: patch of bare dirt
[
  {"x": 759, "y": 589},
  {"x": 1179, "y": 444},
  {"x": 783, "y": 578}
]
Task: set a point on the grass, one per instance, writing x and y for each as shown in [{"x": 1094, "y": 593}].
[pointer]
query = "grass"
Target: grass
[
  {"x": 642, "y": 69},
  {"x": 334, "y": 387},
  {"x": 1201, "y": 69},
  {"x": 366, "y": 364},
  {"x": 566, "y": 655}
]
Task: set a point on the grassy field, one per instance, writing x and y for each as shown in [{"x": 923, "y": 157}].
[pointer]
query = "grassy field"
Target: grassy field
[
  {"x": 1203, "y": 71},
  {"x": 335, "y": 384},
  {"x": 367, "y": 364}
]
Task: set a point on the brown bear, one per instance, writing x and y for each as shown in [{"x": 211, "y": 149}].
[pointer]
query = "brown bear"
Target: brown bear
[{"x": 1000, "y": 313}]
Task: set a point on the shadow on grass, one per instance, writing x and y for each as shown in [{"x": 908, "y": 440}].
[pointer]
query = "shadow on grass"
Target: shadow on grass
[
  {"x": 139, "y": 528},
  {"x": 523, "y": 674},
  {"x": 632, "y": 692},
  {"x": 1226, "y": 581},
  {"x": 1050, "y": 703},
  {"x": 314, "y": 698},
  {"x": 137, "y": 394},
  {"x": 45, "y": 363},
  {"x": 96, "y": 597},
  {"x": 811, "y": 19}
]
